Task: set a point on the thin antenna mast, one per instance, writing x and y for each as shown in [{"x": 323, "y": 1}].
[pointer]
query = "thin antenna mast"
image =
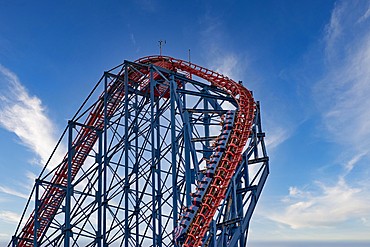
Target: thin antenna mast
[
  {"x": 189, "y": 63},
  {"x": 160, "y": 46}
]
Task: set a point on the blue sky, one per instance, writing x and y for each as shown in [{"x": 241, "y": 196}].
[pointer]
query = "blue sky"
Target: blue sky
[{"x": 307, "y": 62}]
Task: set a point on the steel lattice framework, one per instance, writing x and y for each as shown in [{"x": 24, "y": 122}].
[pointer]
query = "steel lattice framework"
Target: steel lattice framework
[{"x": 170, "y": 154}]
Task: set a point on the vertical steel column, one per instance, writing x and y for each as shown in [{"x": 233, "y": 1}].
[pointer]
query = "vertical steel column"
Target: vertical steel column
[
  {"x": 222, "y": 237},
  {"x": 214, "y": 228},
  {"x": 258, "y": 115},
  {"x": 206, "y": 149},
  {"x": 246, "y": 169},
  {"x": 253, "y": 202},
  {"x": 239, "y": 202},
  {"x": 187, "y": 144},
  {"x": 127, "y": 185},
  {"x": 36, "y": 222},
  {"x": 173, "y": 152},
  {"x": 234, "y": 206},
  {"x": 159, "y": 187},
  {"x": 105, "y": 203},
  {"x": 136, "y": 130},
  {"x": 187, "y": 149},
  {"x": 67, "y": 212},
  {"x": 255, "y": 139},
  {"x": 99, "y": 192},
  {"x": 233, "y": 198},
  {"x": 153, "y": 166},
  {"x": 243, "y": 236}
]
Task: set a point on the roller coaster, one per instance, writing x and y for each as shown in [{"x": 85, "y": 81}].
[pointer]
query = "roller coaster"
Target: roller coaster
[{"x": 169, "y": 154}]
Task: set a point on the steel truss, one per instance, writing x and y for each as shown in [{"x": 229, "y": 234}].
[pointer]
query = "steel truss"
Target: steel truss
[{"x": 134, "y": 158}]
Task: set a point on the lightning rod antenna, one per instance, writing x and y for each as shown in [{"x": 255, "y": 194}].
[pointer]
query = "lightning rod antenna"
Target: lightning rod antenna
[
  {"x": 190, "y": 63},
  {"x": 160, "y": 46}
]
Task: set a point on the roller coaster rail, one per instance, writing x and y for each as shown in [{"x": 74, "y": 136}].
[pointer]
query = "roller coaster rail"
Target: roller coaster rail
[{"x": 170, "y": 154}]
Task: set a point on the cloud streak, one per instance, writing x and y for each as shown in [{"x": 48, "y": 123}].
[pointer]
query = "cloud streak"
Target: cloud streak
[
  {"x": 342, "y": 97},
  {"x": 25, "y": 116},
  {"x": 330, "y": 207},
  {"x": 219, "y": 59},
  {"x": 275, "y": 136},
  {"x": 9, "y": 217},
  {"x": 343, "y": 94},
  {"x": 365, "y": 16},
  {"x": 13, "y": 192},
  {"x": 133, "y": 38}
]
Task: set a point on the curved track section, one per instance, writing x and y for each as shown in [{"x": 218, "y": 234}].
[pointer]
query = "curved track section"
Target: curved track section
[
  {"x": 212, "y": 185},
  {"x": 232, "y": 155}
]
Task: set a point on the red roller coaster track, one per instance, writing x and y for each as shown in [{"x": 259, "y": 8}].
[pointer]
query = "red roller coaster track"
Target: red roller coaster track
[{"x": 53, "y": 196}]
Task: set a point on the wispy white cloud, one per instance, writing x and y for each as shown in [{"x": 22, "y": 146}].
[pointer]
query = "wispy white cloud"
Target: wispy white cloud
[
  {"x": 29, "y": 182},
  {"x": 132, "y": 38},
  {"x": 365, "y": 16},
  {"x": 13, "y": 192},
  {"x": 220, "y": 57},
  {"x": 329, "y": 207},
  {"x": 25, "y": 183},
  {"x": 224, "y": 62},
  {"x": 25, "y": 116},
  {"x": 342, "y": 97},
  {"x": 343, "y": 94},
  {"x": 334, "y": 29},
  {"x": 275, "y": 136},
  {"x": 9, "y": 217},
  {"x": 351, "y": 163}
]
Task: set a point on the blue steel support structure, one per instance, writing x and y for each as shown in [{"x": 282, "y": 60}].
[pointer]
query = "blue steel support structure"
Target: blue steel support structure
[
  {"x": 174, "y": 145},
  {"x": 135, "y": 155},
  {"x": 36, "y": 213},
  {"x": 127, "y": 185},
  {"x": 105, "y": 182},
  {"x": 98, "y": 196},
  {"x": 153, "y": 156},
  {"x": 67, "y": 207}
]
